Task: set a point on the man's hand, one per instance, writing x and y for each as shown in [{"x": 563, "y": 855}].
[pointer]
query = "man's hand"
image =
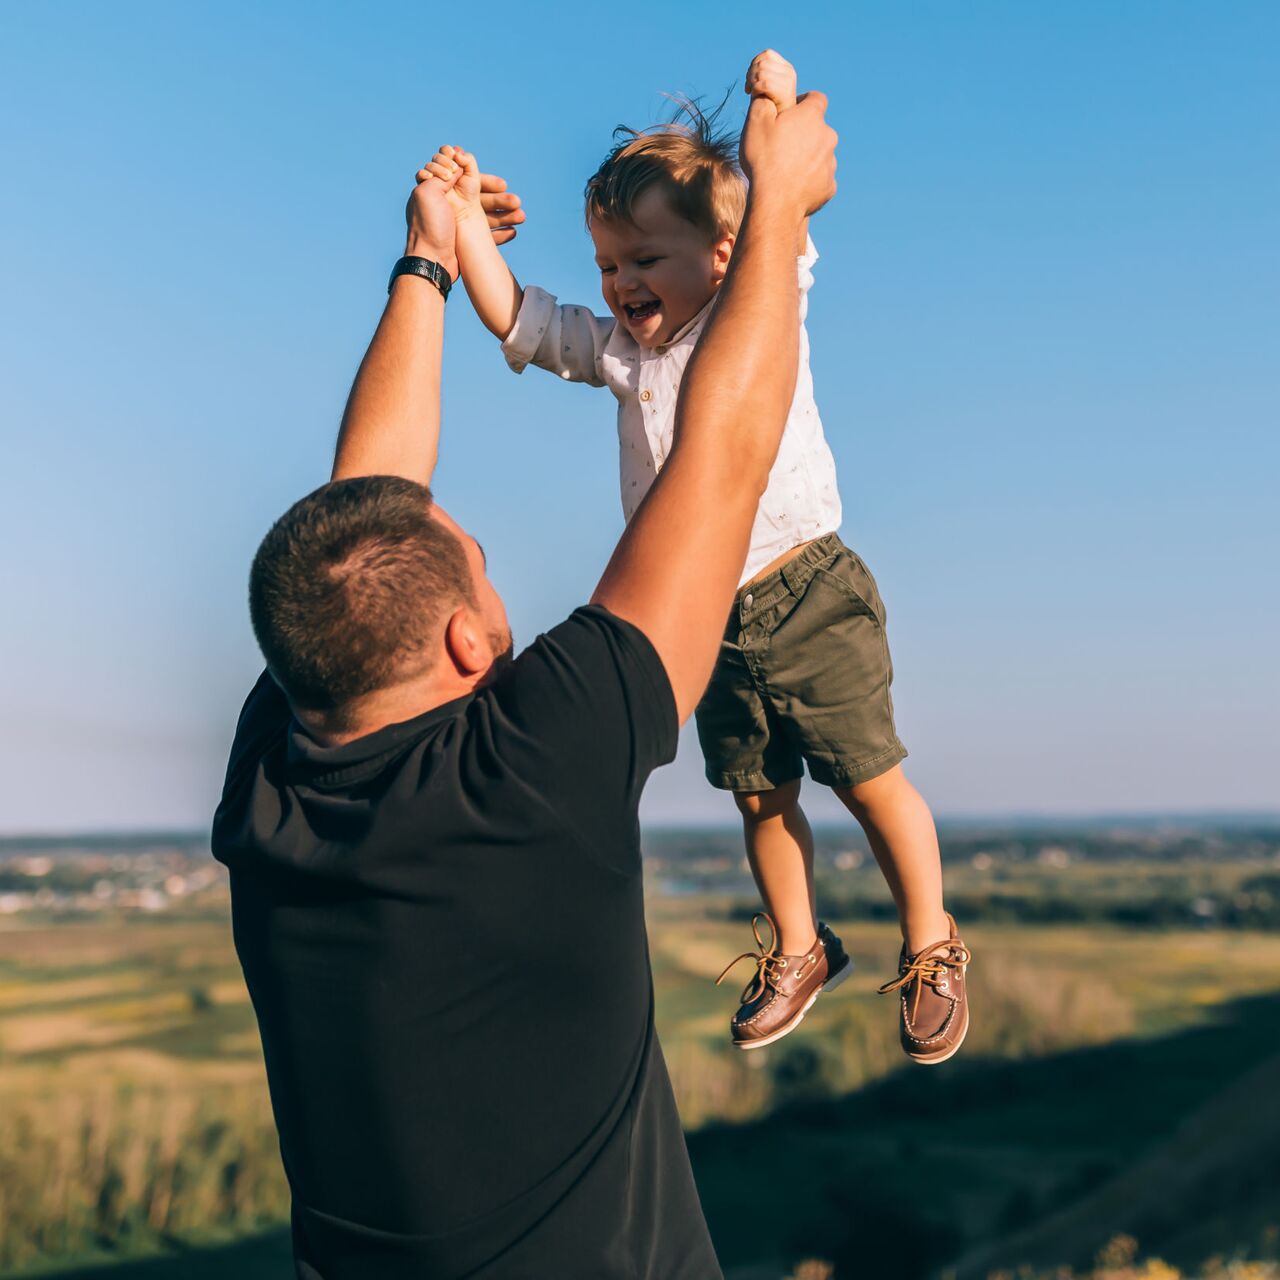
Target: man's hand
[
  {"x": 502, "y": 208},
  {"x": 432, "y": 229},
  {"x": 790, "y": 156},
  {"x": 473, "y": 194},
  {"x": 771, "y": 76}
]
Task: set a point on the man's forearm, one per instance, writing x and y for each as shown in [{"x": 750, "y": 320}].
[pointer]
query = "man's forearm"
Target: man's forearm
[
  {"x": 392, "y": 421},
  {"x": 493, "y": 289}
]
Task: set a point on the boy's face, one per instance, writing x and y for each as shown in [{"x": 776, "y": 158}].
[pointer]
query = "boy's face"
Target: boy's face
[{"x": 657, "y": 271}]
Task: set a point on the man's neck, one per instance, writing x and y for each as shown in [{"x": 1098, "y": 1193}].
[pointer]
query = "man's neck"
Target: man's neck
[{"x": 383, "y": 707}]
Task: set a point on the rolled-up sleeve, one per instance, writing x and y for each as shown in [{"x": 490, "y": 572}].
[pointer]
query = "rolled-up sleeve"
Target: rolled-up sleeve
[
  {"x": 564, "y": 340},
  {"x": 804, "y": 270}
]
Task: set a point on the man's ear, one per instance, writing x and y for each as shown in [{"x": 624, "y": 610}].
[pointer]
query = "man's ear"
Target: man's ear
[
  {"x": 465, "y": 644},
  {"x": 721, "y": 252}
]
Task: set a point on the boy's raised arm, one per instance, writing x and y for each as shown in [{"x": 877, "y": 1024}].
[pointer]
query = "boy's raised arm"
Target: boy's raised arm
[
  {"x": 493, "y": 289},
  {"x": 676, "y": 568}
]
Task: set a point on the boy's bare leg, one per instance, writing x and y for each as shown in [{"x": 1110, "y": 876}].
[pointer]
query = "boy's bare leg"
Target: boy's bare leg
[
  {"x": 902, "y": 836},
  {"x": 780, "y": 850}
]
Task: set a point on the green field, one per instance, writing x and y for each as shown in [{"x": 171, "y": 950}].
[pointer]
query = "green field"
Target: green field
[{"x": 1115, "y": 1081}]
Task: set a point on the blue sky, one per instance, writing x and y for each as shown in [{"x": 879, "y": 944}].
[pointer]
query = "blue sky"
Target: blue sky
[{"x": 1045, "y": 331}]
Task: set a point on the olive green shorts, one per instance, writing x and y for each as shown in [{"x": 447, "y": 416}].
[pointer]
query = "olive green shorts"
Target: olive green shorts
[{"x": 803, "y": 676}]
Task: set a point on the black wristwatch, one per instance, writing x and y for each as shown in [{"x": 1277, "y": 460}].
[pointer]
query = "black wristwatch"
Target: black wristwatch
[{"x": 425, "y": 268}]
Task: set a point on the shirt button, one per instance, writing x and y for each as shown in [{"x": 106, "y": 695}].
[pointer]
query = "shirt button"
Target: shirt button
[{"x": 646, "y": 395}]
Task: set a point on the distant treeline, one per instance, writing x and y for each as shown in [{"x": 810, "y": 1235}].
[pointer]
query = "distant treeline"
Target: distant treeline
[
  {"x": 1012, "y": 843},
  {"x": 1158, "y": 844},
  {"x": 1253, "y": 903}
]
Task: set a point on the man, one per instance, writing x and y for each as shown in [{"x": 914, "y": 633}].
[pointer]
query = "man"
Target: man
[{"x": 434, "y": 849}]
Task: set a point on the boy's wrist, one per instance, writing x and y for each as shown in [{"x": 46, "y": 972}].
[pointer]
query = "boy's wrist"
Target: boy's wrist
[{"x": 471, "y": 213}]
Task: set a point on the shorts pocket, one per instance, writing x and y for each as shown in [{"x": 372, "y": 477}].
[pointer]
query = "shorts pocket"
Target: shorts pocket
[{"x": 847, "y": 573}]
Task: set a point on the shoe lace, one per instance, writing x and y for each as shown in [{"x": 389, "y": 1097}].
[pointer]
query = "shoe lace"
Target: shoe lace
[
  {"x": 928, "y": 968},
  {"x": 769, "y": 961}
]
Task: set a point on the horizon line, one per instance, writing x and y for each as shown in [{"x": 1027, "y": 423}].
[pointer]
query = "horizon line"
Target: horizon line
[{"x": 1003, "y": 818}]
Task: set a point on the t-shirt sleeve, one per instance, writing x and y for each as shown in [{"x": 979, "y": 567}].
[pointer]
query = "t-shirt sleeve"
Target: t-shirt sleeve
[
  {"x": 263, "y": 720},
  {"x": 587, "y": 713}
]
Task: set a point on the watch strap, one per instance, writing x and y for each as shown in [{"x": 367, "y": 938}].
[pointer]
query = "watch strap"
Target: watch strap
[{"x": 424, "y": 267}]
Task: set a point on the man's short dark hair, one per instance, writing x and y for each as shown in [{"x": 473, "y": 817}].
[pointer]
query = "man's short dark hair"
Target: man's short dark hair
[{"x": 351, "y": 588}]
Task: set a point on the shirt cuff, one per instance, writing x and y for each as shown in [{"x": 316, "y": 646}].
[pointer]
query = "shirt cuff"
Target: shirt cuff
[
  {"x": 537, "y": 307},
  {"x": 804, "y": 264}
]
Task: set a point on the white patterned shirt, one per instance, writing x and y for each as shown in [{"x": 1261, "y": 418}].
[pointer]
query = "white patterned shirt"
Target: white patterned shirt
[{"x": 801, "y": 502}]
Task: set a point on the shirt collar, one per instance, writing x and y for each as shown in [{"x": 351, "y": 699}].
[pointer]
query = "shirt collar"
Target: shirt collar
[
  {"x": 689, "y": 327},
  {"x": 313, "y": 763}
]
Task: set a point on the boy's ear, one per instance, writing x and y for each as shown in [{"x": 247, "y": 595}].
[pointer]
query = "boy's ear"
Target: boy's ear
[{"x": 721, "y": 252}]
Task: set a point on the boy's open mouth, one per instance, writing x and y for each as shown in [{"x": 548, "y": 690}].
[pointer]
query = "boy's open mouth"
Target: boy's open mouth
[{"x": 642, "y": 310}]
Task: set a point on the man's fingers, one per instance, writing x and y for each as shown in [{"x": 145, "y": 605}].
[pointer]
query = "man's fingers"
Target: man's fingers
[
  {"x": 499, "y": 200},
  {"x": 439, "y": 166},
  {"x": 501, "y": 216},
  {"x": 503, "y": 235},
  {"x": 491, "y": 183},
  {"x": 762, "y": 110},
  {"x": 502, "y": 209},
  {"x": 816, "y": 99},
  {"x": 501, "y": 222},
  {"x": 447, "y": 173}
]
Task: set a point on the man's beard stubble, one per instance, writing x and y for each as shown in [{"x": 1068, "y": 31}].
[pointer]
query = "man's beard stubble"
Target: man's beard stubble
[{"x": 504, "y": 652}]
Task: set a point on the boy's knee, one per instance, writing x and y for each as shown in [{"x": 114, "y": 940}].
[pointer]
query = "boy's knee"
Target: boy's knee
[
  {"x": 861, "y": 794},
  {"x": 759, "y": 806}
]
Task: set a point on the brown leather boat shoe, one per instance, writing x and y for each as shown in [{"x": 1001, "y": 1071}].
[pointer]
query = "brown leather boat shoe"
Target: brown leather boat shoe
[
  {"x": 934, "y": 1003},
  {"x": 784, "y": 987}
]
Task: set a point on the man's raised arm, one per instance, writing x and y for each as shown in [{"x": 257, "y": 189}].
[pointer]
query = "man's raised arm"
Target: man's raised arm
[
  {"x": 676, "y": 568},
  {"x": 392, "y": 422}
]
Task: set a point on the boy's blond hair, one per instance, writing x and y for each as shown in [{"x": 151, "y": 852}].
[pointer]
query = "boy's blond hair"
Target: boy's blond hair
[{"x": 695, "y": 164}]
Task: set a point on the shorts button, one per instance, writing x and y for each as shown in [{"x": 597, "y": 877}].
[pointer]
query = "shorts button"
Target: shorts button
[{"x": 748, "y": 600}]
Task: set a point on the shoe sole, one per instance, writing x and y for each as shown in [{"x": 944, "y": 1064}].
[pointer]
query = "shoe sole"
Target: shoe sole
[{"x": 830, "y": 985}]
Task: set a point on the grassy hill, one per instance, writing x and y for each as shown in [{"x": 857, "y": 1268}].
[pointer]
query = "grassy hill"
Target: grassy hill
[
  {"x": 1051, "y": 1157},
  {"x": 1207, "y": 1190},
  {"x": 1048, "y": 1158},
  {"x": 133, "y": 1121}
]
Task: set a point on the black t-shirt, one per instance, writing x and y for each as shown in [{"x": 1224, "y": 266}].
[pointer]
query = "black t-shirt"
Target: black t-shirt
[{"x": 441, "y": 926}]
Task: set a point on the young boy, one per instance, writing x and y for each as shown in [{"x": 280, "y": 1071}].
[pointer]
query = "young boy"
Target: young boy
[{"x": 804, "y": 669}]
